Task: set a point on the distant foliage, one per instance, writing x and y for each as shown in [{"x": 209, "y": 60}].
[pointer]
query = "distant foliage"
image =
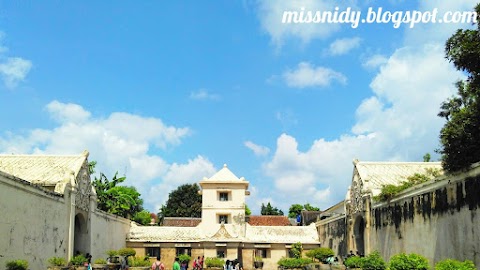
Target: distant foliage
[
  {"x": 374, "y": 262},
  {"x": 184, "y": 258},
  {"x": 296, "y": 250},
  {"x": 354, "y": 262},
  {"x": 127, "y": 252},
  {"x": 269, "y": 210},
  {"x": 291, "y": 263},
  {"x": 460, "y": 136},
  {"x": 214, "y": 262},
  {"x": 411, "y": 261},
  {"x": 139, "y": 261},
  {"x": 450, "y": 264},
  {"x": 296, "y": 209},
  {"x": 17, "y": 265},
  {"x": 389, "y": 191},
  {"x": 248, "y": 212},
  {"x": 321, "y": 254},
  {"x": 185, "y": 201},
  {"x": 143, "y": 217}
]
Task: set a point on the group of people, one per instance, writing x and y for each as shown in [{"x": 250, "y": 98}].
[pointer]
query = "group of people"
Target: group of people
[
  {"x": 232, "y": 265},
  {"x": 177, "y": 265}
]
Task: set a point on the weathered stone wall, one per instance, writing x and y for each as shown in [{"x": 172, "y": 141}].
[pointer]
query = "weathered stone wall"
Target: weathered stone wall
[
  {"x": 33, "y": 225},
  {"x": 107, "y": 232},
  {"x": 332, "y": 234},
  {"x": 439, "y": 220}
]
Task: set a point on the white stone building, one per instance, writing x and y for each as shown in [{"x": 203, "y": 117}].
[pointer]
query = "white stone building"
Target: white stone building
[{"x": 223, "y": 230}]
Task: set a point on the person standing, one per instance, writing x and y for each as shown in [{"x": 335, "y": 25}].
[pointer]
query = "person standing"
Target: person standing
[
  {"x": 158, "y": 265},
  {"x": 176, "y": 264}
]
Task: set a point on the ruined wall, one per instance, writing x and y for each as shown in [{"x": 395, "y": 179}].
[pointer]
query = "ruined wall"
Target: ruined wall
[
  {"x": 33, "y": 224},
  {"x": 332, "y": 234},
  {"x": 439, "y": 221},
  {"x": 107, "y": 232}
]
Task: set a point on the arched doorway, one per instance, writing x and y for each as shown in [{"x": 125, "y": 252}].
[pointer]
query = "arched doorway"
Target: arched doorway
[
  {"x": 359, "y": 234},
  {"x": 80, "y": 241}
]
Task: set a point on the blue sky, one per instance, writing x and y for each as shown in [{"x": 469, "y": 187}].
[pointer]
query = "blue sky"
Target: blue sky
[{"x": 167, "y": 92}]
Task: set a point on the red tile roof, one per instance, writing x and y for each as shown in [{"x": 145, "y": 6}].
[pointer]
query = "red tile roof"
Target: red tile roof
[
  {"x": 269, "y": 221},
  {"x": 181, "y": 222}
]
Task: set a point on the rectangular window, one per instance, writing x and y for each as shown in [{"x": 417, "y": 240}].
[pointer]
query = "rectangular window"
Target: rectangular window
[
  {"x": 262, "y": 252},
  {"x": 152, "y": 251},
  {"x": 183, "y": 250},
  {"x": 223, "y": 219},
  {"x": 221, "y": 252},
  {"x": 223, "y": 196}
]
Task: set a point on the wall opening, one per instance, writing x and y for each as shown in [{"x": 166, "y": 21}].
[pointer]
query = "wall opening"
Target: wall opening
[
  {"x": 80, "y": 244},
  {"x": 359, "y": 235}
]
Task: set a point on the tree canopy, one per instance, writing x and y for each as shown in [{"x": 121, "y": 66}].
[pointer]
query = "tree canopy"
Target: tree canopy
[
  {"x": 119, "y": 200},
  {"x": 185, "y": 201},
  {"x": 460, "y": 136},
  {"x": 269, "y": 210},
  {"x": 296, "y": 209}
]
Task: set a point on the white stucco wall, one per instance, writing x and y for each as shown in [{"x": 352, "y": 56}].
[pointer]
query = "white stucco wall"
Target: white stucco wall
[
  {"x": 107, "y": 232},
  {"x": 33, "y": 223}
]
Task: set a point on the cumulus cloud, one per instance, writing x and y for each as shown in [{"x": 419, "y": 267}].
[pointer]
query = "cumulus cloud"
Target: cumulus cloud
[
  {"x": 374, "y": 61},
  {"x": 258, "y": 150},
  {"x": 308, "y": 75},
  {"x": 203, "y": 94},
  {"x": 343, "y": 46},
  {"x": 14, "y": 70},
  {"x": 397, "y": 123},
  {"x": 123, "y": 142}
]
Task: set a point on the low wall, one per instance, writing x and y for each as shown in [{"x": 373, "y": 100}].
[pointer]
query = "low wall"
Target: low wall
[
  {"x": 439, "y": 220},
  {"x": 332, "y": 234}
]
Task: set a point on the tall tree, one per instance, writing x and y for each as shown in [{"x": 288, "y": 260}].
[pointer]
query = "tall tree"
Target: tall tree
[
  {"x": 185, "y": 201},
  {"x": 269, "y": 210},
  {"x": 113, "y": 198},
  {"x": 460, "y": 136},
  {"x": 296, "y": 209}
]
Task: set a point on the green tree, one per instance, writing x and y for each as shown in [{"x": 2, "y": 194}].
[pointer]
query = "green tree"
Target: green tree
[
  {"x": 185, "y": 201},
  {"x": 269, "y": 210},
  {"x": 248, "y": 212},
  {"x": 296, "y": 209},
  {"x": 142, "y": 217},
  {"x": 427, "y": 157},
  {"x": 119, "y": 200},
  {"x": 460, "y": 136}
]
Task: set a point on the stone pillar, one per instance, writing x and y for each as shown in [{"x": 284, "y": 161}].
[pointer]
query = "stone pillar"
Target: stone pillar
[
  {"x": 368, "y": 222},
  {"x": 71, "y": 226}
]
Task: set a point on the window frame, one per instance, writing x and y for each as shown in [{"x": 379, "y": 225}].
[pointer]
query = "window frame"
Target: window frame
[{"x": 147, "y": 253}]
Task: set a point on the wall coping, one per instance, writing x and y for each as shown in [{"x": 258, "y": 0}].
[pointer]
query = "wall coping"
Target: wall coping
[
  {"x": 27, "y": 186},
  {"x": 432, "y": 185}
]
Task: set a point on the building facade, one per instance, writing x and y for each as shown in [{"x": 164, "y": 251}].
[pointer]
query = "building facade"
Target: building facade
[{"x": 223, "y": 230}]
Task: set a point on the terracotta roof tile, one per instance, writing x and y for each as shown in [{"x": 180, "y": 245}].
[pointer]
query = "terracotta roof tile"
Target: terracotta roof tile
[
  {"x": 269, "y": 221},
  {"x": 181, "y": 222}
]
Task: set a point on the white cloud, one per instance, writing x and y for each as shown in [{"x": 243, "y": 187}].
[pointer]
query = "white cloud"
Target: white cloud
[
  {"x": 398, "y": 122},
  {"x": 375, "y": 61},
  {"x": 270, "y": 14},
  {"x": 203, "y": 94},
  {"x": 258, "y": 150},
  {"x": 307, "y": 75},
  {"x": 343, "y": 46},
  {"x": 121, "y": 142},
  {"x": 14, "y": 70}
]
